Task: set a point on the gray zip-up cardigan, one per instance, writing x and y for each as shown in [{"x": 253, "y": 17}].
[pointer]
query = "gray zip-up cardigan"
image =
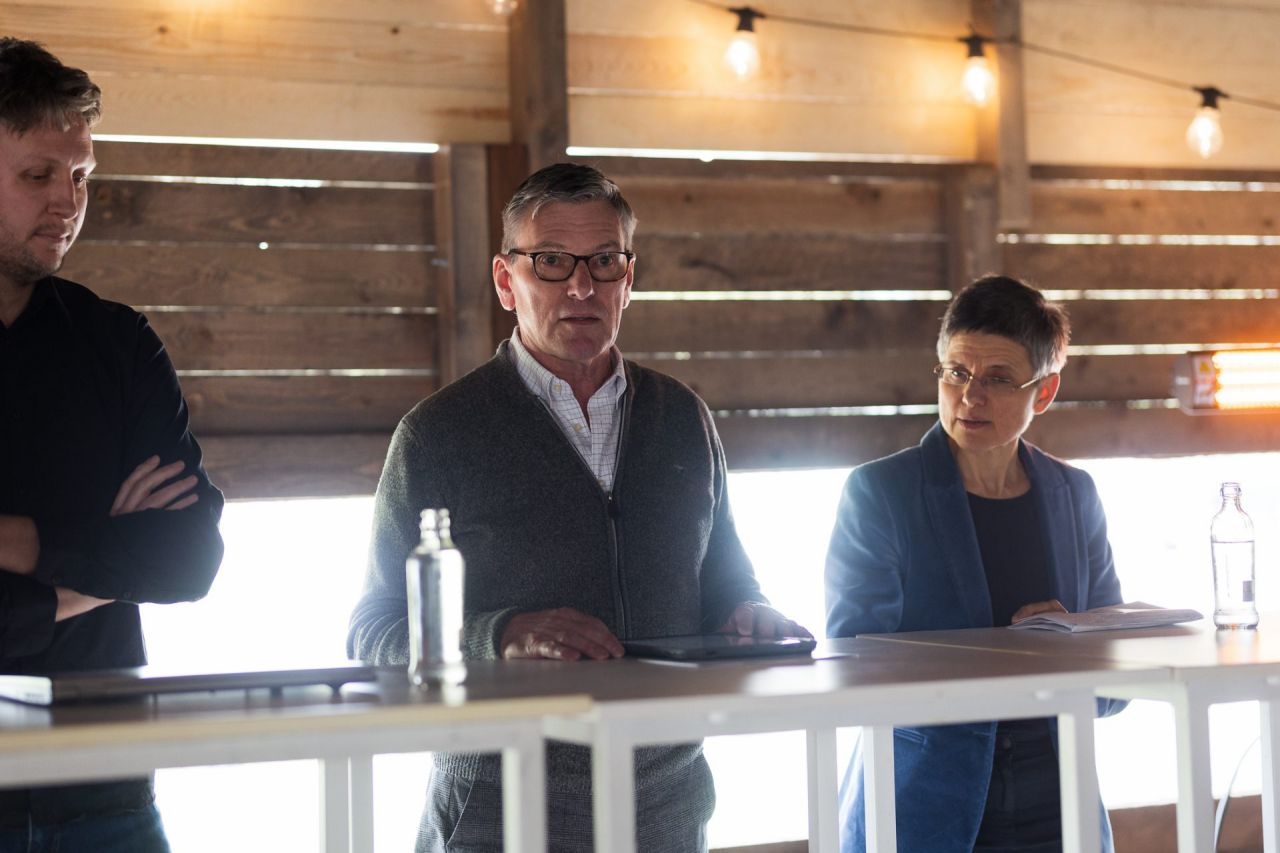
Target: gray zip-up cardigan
[{"x": 659, "y": 556}]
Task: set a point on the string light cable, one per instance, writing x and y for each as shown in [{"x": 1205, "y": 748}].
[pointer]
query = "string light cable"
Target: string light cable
[{"x": 1203, "y": 134}]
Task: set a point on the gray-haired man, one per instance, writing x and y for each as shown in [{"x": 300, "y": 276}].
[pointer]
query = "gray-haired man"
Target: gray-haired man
[{"x": 589, "y": 498}]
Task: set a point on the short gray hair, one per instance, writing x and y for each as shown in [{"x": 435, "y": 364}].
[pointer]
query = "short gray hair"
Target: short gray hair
[
  {"x": 1001, "y": 305},
  {"x": 37, "y": 90},
  {"x": 564, "y": 182}
]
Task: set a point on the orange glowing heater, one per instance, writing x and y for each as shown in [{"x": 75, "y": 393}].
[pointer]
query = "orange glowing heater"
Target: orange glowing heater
[{"x": 1227, "y": 381}]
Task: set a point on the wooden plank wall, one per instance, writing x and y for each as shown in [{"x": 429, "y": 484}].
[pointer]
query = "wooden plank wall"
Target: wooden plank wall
[
  {"x": 650, "y": 74},
  {"x": 1080, "y": 115},
  {"x": 379, "y": 70},
  {"x": 802, "y": 300},
  {"x": 295, "y": 293}
]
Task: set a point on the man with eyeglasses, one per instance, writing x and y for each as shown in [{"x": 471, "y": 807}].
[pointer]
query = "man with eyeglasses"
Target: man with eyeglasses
[{"x": 589, "y": 499}]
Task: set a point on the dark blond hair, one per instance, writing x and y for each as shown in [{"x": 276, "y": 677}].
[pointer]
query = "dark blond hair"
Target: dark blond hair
[{"x": 37, "y": 90}]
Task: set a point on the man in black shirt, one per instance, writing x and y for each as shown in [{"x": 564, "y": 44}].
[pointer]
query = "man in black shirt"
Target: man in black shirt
[{"x": 103, "y": 499}]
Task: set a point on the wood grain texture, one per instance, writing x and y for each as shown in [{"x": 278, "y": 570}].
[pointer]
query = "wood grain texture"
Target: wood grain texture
[
  {"x": 892, "y": 377},
  {"x": 622, "y": 169},
  {"x": 1066, "y": 209},
  {"x": 1182, "y": 322},
  {"x": 691, "y": 206},
  {"x": 1126, "y": 267},
  {"x": 129, "y": 210},
  {"x": 442, "y": 13},
  {"x": 243, "y": 340},
  {"x": 764, "y": 443},
  {"x": 262, "y": 466},
  {"x": 888, "y": 377},
  {"x": 537, "y": 81},
  {"x": 313, "y": 49},
  {"x": 933, "y": 131},
  {"x": 787, "y": 262},
  {"x": 724, "y": 326},
  {"x": 131, "y": 158},
  {"x": 301, "y": 405},
  {"x": 252, "y": 107},
  {"x": 246, "y": 276},
  {"x": 1078, "y": 114}
]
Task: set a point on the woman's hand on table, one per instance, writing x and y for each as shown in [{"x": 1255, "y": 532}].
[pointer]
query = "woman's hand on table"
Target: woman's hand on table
[{"x": 1053, "y": 605}]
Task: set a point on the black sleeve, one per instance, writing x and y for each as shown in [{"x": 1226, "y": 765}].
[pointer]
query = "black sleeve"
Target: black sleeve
[
  {"x": 154, "y": 555},
  {"x": 27, "y": 610}
]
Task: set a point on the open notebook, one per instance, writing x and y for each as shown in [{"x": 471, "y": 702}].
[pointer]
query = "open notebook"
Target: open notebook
[
  {"x": 1136, "y": 614},
  {"x": 149, "y": 681}
]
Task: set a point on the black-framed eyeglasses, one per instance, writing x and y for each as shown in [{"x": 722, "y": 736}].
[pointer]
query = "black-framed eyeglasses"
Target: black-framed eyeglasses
[
  {"x": 559, "y": 266},
  {"x": 997, "y": 386}
]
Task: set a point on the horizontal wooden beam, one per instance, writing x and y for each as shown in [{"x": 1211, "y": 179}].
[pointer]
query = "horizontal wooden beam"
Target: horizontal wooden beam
[
  {"x": 246, "y": 276},
  {"x": 225, "y": 340},
  {"x": 257, "y": 466},
  {"x": 131, "y": 210}
]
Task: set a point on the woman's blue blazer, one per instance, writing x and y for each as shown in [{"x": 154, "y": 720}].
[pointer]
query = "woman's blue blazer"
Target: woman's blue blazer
[{"x": 904, "y": 557}]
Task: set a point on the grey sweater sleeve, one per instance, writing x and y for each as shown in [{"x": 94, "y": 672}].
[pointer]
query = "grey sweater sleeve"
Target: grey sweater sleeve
[
  {"x": 727, "y": 577},
  {"x": 379, "y": 627}
]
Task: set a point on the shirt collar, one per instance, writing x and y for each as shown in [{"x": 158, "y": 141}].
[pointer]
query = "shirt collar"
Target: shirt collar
[{"x": 544, "y": 384}]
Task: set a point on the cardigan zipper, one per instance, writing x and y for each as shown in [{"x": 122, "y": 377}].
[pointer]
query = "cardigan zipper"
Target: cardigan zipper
[{"x": 612, "y": 508}]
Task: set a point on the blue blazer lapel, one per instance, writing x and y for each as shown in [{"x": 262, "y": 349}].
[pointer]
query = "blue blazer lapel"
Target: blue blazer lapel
[
  {"x": 1053, "y": 498},
  {"x": 949, "y": 515}
]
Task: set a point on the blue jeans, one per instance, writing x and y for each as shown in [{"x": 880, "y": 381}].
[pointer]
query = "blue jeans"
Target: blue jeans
[{"x": 136, "y": 831}]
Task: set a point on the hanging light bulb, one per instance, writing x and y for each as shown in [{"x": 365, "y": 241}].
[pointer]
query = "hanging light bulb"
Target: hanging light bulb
[
  {"x": 978, "y": 82},
  {"x": 1204, "y": 134},
  {"x": 743, "y": 54},
  {"x": 502, "y": 7}
]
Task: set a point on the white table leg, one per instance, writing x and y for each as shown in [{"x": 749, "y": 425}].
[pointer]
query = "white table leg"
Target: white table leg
[
  {"x": 1078, "y": 780},
  {"x": 824, "y": 817},
  {"x": 613, "y": 791},
  {"x": 1270, "y": 784},
  {"x": 524, "y": 804},
  {"x": 1195, "y": 796},
  {"x": 878, "y": 782},
  {"x": 360, "y": 778},
  {"x": 335, "y": 826}
]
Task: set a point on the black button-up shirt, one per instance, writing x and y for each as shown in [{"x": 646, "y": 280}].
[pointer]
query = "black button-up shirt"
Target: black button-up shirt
[{"x": 87, "y": 393}]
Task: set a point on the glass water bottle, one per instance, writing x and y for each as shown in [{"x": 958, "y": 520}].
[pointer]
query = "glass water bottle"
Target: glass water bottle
[
  {"x": 1231, "y": 537},
  {"x": 434, "y": 573}
]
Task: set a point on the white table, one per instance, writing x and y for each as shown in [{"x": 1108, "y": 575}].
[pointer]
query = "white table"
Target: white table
[
  {"x": 852, "y": 683},
  {"x": 116, "y": 740},
  {"x": 1205, "y": 667}
]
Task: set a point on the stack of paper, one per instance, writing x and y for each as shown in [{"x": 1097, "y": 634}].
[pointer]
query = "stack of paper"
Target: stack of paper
[{"x": 1135, "y": 614}]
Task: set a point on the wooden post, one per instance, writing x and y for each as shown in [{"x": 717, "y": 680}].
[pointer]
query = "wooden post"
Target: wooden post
[
  {"x": 507, "y": 166},
  {"x": 1002, "y": 127},
  {"x": 970, "y": 199},
  {"x": 539, "y": 81},
  {"x": 465, "y": 284}
]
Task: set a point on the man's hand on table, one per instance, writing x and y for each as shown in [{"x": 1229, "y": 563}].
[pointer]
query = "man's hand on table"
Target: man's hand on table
[
  {"x": 560, "y": 634},
  {"x": 753, "y": 619},
  {"x": 1027, "y": 610}
]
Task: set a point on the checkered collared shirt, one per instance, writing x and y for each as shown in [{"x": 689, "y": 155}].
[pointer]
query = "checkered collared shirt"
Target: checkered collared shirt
[{"x": 596, "y": 440}]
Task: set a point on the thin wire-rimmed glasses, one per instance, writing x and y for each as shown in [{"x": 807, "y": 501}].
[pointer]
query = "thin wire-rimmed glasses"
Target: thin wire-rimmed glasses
[
  {"x": 996, "y": 386},
  {"x": 559, "y": 266}
]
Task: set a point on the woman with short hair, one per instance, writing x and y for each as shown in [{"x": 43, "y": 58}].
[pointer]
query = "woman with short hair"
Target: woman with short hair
[{"x": 973, "y": 528}]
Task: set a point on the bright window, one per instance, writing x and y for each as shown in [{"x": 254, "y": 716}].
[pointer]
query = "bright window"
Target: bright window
[{"x": 293, "y": 571}]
